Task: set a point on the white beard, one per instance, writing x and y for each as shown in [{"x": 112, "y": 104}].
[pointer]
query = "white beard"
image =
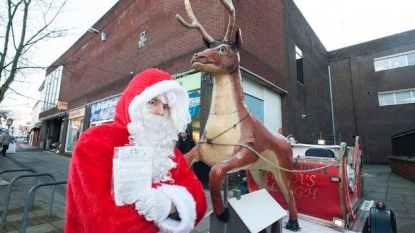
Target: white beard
[{"x": 158, "y": 133}]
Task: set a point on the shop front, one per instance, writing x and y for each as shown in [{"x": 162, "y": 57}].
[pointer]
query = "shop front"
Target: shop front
[{"x": 75, "y": 127}]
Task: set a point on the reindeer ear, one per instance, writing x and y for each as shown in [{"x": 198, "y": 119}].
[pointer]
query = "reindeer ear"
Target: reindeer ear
[
  {"x": 207, "y": 43},
  {"x": 238, "y": 38}
]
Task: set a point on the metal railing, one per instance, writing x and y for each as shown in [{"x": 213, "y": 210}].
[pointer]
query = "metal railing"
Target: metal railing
[
  {"x": 29, "y": 197},
  {"x": 30, "y": 201}
]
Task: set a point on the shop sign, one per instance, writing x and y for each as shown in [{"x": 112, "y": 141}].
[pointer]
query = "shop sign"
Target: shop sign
[
  {"x": 190, "y": 82},
  {"x": 80, "y": 112},
  {"x": 194, "y": 104},
  {"x": 62, "y": 105},
  {"x": 104, "y": 110}
]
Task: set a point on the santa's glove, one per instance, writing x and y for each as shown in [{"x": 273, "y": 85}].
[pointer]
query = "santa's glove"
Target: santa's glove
[{"x": 154, "y": 205}]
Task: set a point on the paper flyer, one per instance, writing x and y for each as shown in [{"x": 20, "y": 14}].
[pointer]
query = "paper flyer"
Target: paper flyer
[{"x": 132, "y": 172}]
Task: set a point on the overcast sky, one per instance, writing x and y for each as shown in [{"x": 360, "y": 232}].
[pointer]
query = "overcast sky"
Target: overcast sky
[
  {"x": 341, "y": 23},
  {"x": 78, "y": 16},
  {"x": 338, "y": 23}
]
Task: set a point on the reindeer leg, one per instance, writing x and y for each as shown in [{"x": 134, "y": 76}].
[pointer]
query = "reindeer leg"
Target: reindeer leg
[
  {"x": 217, "y": 175},
  {"x": 260, "y": 178},
  {"x": 284, "y": 180},
  {"x": 193, "y": 155}
]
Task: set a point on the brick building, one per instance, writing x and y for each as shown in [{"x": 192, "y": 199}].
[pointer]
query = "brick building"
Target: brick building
[
  {"x": 286, "y": 72},
  {"x": 374, "y": 91}
]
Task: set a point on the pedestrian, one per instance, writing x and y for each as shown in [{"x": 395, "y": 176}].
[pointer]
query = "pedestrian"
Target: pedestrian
[
  {"x": 152, "y": 110},
  {"x": 185, "y": 143},
  {"x": 6, "y": 139}
]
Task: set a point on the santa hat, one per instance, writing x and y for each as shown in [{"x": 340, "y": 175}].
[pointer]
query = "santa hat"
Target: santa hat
[{"x": 144, "y": 87}]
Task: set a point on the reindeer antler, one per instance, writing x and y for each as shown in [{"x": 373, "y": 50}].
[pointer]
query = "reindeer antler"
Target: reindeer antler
[
  {"x": 231, "y": 10},
  {"x": 195, "y": 23}
]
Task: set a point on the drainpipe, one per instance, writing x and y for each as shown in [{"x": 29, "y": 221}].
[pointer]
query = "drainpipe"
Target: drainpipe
[{"x": 331, "y": 106}]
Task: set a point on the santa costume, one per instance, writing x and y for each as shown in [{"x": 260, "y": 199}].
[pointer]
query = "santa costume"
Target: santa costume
[{"x": 90, "y": 205}]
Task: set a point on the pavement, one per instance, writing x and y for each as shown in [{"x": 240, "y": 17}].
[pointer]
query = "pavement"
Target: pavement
[{"x": 398, "y": 193}]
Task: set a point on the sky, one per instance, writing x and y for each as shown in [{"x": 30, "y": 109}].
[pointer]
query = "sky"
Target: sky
[
  {"x": 338, "y": 24},
  {"x": 342, "y": 23},
  {"x": 78, "y": 16}
]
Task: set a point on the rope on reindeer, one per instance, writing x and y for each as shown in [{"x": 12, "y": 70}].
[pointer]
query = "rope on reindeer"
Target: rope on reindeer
[{"x": 342, "y": 151}]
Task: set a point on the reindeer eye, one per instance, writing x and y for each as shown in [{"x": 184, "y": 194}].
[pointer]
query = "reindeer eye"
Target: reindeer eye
[{"x": 222, "y": 49}]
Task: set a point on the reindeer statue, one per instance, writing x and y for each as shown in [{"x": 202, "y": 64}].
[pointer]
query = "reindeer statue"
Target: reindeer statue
[{"x": 233, "y": 138}]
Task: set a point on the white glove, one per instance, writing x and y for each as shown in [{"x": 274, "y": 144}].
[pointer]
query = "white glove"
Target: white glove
[{"x": 154, "y": 205}]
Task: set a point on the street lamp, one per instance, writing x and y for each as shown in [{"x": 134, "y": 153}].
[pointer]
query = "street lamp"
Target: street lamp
[{"x": 103, "y": 34}]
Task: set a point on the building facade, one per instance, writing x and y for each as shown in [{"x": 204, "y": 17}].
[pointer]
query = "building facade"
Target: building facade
[
  {"x": 290, "y": 80},
  {"x": 374, "y": 92}
]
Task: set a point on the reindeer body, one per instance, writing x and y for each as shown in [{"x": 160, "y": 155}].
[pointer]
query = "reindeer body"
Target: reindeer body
[{"x": 233, "y": 138}]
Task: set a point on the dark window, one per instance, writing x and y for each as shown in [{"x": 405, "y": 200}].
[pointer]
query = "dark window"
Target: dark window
[{"x": 299, "y": 64}]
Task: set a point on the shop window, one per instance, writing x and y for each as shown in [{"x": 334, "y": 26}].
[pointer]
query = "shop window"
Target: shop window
[{"x": 74, "y": 131}]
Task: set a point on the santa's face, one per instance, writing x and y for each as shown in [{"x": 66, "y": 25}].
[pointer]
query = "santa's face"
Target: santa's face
[
  {"x": 158, "y": 108},
  {"x": 154, "y": 127}
]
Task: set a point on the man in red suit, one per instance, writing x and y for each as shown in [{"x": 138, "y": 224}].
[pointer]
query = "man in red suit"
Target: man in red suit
[{"x": 150, "y": 112}]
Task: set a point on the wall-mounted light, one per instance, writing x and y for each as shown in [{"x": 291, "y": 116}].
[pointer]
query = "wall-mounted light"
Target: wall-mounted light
[
  {"x": 103, "y": 34},
  {"x": 321, "y": 141}
]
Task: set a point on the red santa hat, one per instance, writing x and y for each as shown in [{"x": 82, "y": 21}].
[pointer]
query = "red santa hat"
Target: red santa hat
[{"x": 144, "y": 87}]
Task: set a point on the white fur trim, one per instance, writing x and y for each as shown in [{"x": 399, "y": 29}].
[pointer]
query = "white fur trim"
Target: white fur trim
[
  {"x": 186, "y": 207},
  {"x": 156, "y": 90}
]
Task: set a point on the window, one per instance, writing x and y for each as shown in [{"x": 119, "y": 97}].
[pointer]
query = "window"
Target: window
[
  {"x": 403, "y": 97},
  {"x": 299, "y": 64},
  {"x": 75, "y": 127},
  {"x": 411, "y": 59},
  {"x": 50, "y": 92},
  {"x": 256, "y": 106},
  {"x": 395, "y": 61},
  {"x": 396, "y": 97},
  {"x": 382, "y": 65}
]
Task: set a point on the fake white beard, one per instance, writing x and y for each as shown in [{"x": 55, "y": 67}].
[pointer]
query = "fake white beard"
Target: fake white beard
[{"x": 158, "y": 133}]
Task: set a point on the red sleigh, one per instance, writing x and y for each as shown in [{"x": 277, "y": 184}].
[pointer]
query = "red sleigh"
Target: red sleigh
[{"x": 328, "y": 183}]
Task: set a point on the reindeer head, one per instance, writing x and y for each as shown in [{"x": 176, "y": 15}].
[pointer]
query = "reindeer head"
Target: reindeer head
[{"x": 221, "y": 56}]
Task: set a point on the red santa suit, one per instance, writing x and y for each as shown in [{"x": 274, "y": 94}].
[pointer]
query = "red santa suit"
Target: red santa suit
[{"x": 90, "y": 205}]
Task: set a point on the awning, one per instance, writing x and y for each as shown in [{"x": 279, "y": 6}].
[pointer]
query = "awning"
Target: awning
[
  {"x": 38, "y": 125},
  {"x": 56, "y": 115}
]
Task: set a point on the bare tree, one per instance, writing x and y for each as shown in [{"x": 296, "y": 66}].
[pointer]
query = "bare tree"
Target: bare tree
[
  {"x": 24, "y": 24},
  {"x": 3, "y": 117},
  {"x": 3, "y": 114}
]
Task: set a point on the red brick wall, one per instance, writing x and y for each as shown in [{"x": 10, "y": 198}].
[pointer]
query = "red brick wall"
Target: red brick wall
[
  {"x": 94, "y": 69},
  {"x": 403, "y": 166}
]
